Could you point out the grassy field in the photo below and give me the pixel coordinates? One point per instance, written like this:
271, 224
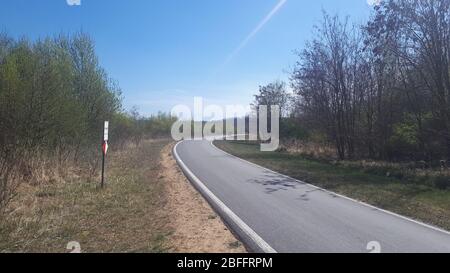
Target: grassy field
419, 201
126, 216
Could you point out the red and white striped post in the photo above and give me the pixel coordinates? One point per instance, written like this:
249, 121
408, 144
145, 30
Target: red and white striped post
104, 150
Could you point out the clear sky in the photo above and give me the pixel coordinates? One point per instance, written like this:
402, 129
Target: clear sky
165, 52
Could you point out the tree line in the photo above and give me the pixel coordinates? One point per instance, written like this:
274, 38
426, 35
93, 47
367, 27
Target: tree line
379, 90
54, 98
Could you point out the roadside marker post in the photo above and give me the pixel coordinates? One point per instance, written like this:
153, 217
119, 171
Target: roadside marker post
104, 150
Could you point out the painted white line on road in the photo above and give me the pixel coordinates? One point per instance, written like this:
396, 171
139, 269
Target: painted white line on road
249, 232
336, 194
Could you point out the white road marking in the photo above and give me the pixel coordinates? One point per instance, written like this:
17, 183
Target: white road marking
263, 245
336, 194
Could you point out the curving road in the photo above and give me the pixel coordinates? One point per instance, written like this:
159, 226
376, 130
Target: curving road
274, 213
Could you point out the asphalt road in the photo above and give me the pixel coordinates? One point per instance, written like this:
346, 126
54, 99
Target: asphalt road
272, 212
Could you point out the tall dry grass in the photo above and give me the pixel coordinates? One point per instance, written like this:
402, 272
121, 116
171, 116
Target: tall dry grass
63, 202
40, 168
413, 172
309, 148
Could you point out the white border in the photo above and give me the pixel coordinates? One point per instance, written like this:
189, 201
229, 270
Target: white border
336, 194
263, 245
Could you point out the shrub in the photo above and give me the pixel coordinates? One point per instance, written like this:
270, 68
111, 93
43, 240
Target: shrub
442, 182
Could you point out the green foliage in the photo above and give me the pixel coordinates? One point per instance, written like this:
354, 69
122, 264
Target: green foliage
53, 93
159, 125
289, 128
404, 140
405, 133
54, 98
126, 126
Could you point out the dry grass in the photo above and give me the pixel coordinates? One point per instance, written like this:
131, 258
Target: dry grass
60, 205
410, 172
147, 206
311, 149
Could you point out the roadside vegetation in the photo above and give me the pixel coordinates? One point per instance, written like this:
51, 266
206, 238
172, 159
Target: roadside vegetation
54, 98
366, 113
128, 215
373, 96
378, 90
415, 196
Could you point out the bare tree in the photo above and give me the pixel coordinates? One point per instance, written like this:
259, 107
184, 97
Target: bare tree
274, 94
326, 79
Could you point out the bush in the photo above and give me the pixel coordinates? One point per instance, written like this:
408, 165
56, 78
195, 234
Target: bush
290, 128
54, 98
442, 182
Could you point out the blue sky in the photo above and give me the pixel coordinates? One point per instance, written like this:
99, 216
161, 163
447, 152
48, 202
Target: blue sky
165, 52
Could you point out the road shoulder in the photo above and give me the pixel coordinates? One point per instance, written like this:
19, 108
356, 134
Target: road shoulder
196, 228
